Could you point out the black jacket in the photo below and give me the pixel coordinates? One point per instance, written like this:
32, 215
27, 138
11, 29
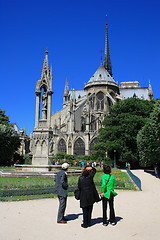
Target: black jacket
88, 192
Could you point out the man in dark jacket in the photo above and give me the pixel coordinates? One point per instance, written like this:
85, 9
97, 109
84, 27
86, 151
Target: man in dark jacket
61, 188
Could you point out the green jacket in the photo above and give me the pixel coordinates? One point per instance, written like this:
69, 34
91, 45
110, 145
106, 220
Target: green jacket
110, 185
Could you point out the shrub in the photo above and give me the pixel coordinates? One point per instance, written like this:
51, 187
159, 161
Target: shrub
70, 158
27, 159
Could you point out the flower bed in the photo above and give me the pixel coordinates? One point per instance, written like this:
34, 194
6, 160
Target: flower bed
32, 188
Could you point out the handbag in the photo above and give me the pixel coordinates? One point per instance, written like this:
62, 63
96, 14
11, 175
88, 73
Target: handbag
77, 194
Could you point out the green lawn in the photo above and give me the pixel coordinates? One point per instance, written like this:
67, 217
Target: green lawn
12, 188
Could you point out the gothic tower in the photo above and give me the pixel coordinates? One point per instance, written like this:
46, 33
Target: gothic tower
41, 141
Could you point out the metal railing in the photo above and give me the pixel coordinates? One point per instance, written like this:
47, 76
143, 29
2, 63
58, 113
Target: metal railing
37, 192
135, 179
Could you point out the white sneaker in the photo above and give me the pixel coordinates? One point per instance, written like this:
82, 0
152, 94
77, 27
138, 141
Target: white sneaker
113, 223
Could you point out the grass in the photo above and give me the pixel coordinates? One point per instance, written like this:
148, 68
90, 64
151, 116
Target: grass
17, 189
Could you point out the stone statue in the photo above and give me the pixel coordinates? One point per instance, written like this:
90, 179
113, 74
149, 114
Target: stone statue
51, 146
44, 99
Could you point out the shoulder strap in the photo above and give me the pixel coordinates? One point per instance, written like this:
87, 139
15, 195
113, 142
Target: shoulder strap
108, 179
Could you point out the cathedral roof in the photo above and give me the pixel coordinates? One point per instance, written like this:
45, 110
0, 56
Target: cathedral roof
101, 75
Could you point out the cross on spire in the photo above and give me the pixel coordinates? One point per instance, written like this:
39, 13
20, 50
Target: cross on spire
101, 51
107, 61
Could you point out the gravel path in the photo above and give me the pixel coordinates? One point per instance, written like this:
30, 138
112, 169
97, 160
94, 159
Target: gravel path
137, 214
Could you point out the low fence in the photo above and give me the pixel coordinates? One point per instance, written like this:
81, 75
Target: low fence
28, 194
135, 179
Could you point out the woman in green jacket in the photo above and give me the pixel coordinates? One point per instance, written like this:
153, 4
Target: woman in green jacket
107, 194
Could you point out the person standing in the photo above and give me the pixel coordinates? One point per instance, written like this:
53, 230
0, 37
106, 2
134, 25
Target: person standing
107, 195
129, 166
156, 172
88, 194
61, 188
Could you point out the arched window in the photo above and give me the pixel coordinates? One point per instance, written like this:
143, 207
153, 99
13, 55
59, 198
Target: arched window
62, 146
44, 150
100, 101
38, 147
79, 147
93, 142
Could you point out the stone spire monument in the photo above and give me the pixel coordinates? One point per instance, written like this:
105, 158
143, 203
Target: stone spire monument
41, 141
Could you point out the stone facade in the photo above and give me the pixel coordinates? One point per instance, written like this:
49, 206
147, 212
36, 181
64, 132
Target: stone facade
25, 141
74, 128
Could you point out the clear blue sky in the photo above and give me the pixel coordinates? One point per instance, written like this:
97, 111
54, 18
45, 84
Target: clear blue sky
74, 32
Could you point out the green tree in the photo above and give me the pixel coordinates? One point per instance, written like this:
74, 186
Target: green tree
27, 159
70, 158
9, 143
59, 155
121, 126
83, 157
148, 139
3, 118
99, 154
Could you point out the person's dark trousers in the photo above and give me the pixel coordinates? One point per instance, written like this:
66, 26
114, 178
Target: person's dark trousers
111, 206
87, 212
62, 207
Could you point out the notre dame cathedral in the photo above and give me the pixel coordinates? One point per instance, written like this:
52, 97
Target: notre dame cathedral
74, 128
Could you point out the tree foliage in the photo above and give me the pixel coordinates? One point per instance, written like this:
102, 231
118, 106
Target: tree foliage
99, 154
3, 118
27, 159
59, 155
9, 143
83, 157
69, 158
9, 140
121, 126
148, 139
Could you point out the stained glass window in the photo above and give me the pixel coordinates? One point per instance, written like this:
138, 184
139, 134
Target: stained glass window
62, 146
100, 101
93, 142
79, 147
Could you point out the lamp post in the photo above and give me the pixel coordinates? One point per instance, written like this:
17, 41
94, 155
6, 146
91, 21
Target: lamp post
114, 158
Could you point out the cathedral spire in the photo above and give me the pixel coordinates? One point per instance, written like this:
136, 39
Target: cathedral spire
107, 60
150, 92
45, 69
66, 93
66, 88
101, 51
51, 77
